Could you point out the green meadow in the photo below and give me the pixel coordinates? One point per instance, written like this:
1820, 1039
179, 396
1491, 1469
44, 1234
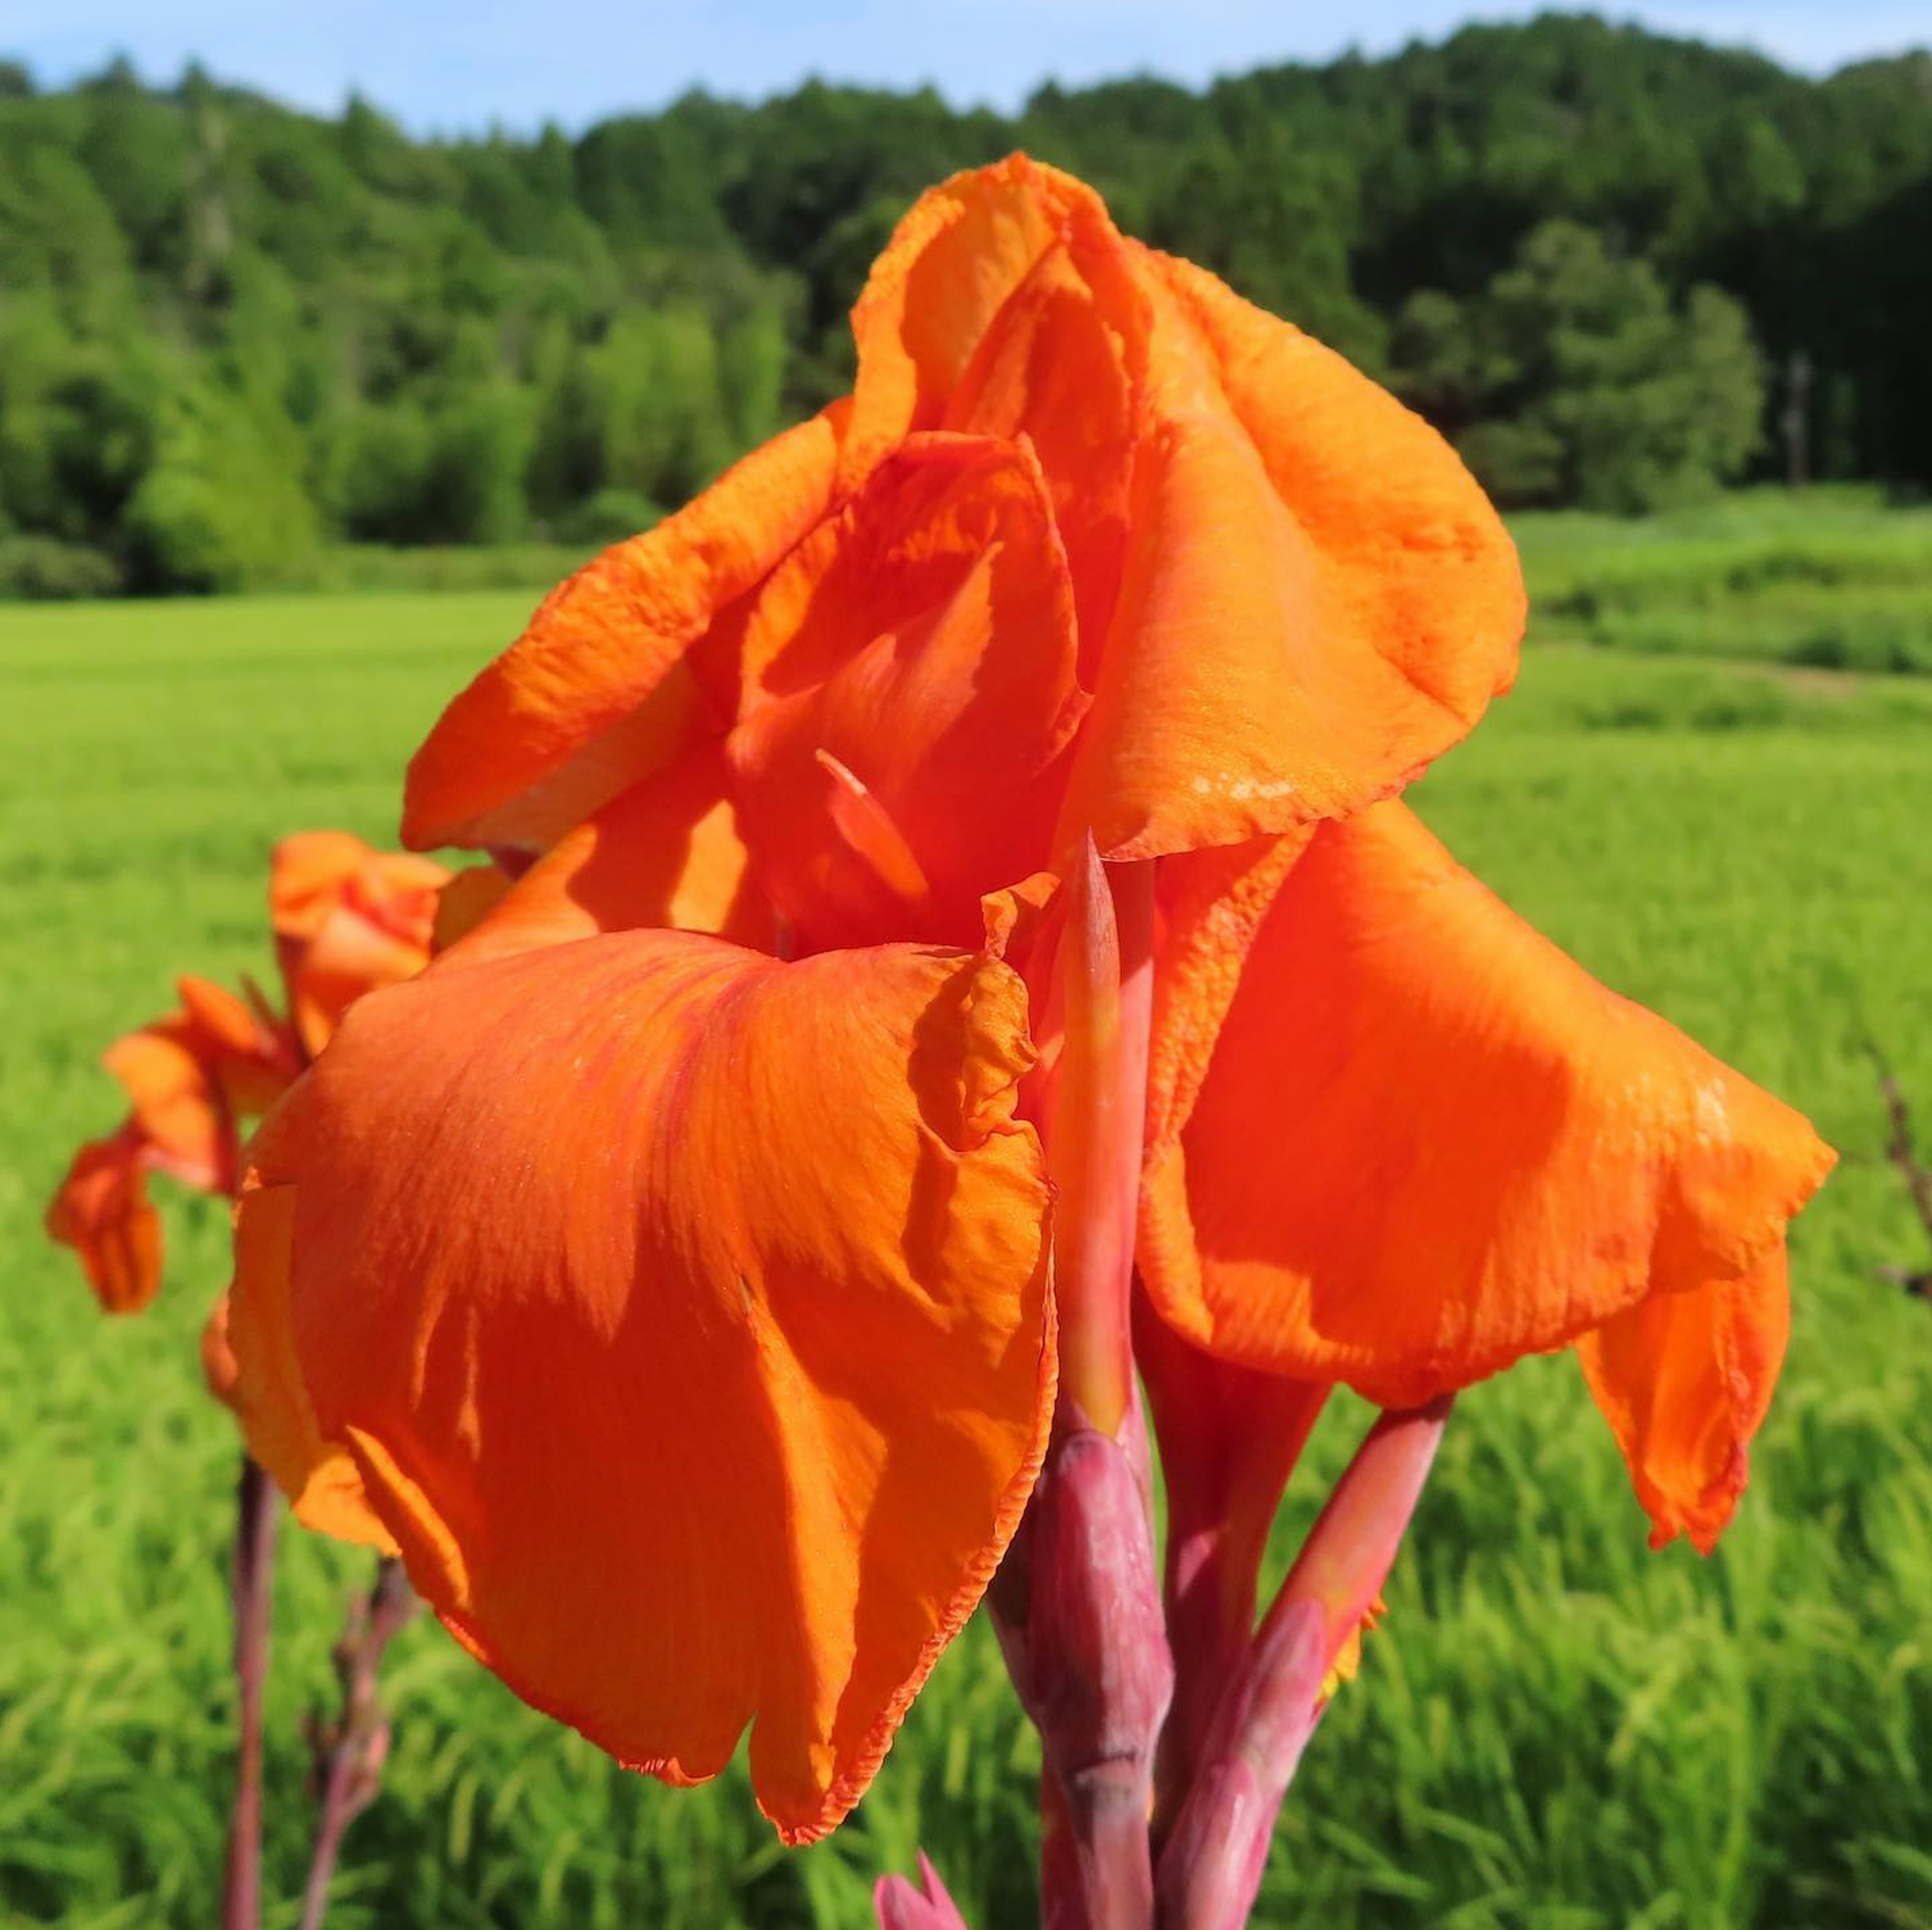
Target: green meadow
1711, 785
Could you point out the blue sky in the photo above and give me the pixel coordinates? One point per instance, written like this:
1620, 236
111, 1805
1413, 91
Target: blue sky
461, 64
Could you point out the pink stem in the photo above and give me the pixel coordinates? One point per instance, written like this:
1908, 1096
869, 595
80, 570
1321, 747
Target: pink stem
1078, 1604
1210, 1869
257, 1511
358, 1743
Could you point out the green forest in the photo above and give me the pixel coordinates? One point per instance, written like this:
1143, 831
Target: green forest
1619, 271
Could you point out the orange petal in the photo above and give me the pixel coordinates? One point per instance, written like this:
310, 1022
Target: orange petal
909, 690
348, 919
685, 1314
1318, 599
597, 692
164, 1068
466, 902
1428, 1143
666, 854
218, 1366
259, 1379
349, 956
955, 260
1684, 1380
103, 1212
1061, 366
1210, 904
307, 874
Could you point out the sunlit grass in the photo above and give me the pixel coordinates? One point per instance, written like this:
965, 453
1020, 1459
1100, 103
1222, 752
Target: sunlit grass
1557, 1728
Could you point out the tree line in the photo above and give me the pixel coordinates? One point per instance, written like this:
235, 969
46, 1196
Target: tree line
1617, 269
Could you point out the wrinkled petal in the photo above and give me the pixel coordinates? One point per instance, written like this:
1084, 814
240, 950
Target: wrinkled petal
103, 1212
1318, 601
1428, 1143
1062, 365
597, 693
909, 690
684, 1313
1684, 1380
955, 260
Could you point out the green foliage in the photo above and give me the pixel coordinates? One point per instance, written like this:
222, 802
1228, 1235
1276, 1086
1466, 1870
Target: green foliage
43, 569
1578, 381
1554, 1728
1609, 263
222, 504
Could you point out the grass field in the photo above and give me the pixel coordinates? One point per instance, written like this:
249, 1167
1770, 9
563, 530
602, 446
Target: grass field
1556, 1729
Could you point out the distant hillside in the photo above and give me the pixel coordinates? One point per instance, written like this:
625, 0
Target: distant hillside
1617, 268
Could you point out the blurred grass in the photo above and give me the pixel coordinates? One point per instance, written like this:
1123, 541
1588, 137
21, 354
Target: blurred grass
1832, 579
1556, 1729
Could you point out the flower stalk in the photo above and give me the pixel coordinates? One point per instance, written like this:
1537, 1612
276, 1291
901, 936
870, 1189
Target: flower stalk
1210, 1869
353, 1750
1082, 1626
257, 1513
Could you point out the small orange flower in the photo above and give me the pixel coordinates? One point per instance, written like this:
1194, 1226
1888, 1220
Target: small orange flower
665, 1271
346, 919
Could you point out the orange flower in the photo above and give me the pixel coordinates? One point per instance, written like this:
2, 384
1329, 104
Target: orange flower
682, 1312
345, 919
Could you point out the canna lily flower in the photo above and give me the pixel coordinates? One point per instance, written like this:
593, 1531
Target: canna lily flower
345, 919
670, 1270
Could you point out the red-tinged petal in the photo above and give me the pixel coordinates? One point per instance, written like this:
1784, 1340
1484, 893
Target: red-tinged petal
1684, 1380
910, 691
666, 854
103, 1212
685, 1314
1428, 1143
955, 260
1317, 598
597, 693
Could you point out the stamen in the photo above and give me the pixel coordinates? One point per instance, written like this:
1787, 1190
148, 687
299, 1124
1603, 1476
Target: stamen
868, 831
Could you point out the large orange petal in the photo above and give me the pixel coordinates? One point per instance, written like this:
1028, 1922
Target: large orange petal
597, 692
1317, 598
685, 1314
910, 689
1684, 1380
1428, 1143
103, 1212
